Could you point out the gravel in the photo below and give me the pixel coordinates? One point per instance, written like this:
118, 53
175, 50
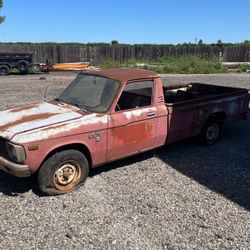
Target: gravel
181, 196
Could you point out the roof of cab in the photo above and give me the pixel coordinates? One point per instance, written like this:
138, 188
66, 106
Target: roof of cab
123, 74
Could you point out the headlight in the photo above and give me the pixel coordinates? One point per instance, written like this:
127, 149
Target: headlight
15, 152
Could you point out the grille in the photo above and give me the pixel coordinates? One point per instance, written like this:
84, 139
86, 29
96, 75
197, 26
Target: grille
3, 149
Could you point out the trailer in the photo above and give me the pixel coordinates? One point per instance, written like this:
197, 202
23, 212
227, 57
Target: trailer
20, 61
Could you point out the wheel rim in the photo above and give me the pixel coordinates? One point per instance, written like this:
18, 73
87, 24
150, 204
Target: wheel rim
3, 71
212, 133
22, 67
67, 176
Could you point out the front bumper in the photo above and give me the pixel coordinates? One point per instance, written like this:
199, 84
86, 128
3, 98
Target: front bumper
16, 169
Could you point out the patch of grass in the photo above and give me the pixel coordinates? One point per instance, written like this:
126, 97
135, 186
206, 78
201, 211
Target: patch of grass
243, 68
34, 70
130, 62
108, 64
31, 70
172, 65
189, 65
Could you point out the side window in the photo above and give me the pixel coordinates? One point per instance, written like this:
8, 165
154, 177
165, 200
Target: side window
135, 95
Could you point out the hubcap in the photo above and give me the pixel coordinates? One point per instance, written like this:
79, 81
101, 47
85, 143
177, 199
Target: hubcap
67, 176
212, 132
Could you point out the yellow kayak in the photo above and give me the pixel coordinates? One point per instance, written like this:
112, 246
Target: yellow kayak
70, 66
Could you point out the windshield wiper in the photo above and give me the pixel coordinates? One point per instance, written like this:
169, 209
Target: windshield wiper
83, 109
71, 103
59, 100
78, 106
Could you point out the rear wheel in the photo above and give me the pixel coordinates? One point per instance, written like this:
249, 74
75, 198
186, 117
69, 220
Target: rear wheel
63, 172
211, 132
4, 70
23, 67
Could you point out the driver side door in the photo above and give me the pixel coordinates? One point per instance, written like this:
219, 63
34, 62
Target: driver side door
132, 125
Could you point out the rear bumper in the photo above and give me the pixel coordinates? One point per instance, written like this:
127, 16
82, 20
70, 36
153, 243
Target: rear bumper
16, 169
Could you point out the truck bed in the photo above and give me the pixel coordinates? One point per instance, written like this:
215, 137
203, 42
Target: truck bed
191, 104
189, 92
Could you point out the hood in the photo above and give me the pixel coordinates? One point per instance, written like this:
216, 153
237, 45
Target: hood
18, 120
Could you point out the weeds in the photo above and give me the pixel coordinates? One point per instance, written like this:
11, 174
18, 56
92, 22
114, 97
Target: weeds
243, 68
172, 65
107, 64
31, 70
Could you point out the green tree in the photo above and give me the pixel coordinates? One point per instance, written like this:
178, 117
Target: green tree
2, 18
200, 42
219, 42
114, 42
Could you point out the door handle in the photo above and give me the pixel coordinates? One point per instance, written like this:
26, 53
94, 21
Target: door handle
152, 113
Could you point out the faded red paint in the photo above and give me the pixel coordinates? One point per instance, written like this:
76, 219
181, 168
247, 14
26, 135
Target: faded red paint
125, 135
118, 134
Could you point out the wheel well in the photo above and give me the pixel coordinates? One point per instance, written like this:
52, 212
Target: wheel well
77, 146
222, 116
22, 61
7, 65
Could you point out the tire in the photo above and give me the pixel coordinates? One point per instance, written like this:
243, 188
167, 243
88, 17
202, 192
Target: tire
211, 132
63, 172
23, 67
4, 70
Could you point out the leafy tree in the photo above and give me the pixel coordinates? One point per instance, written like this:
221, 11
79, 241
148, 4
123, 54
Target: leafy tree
114, 42
219, 42
200, 42
2, 18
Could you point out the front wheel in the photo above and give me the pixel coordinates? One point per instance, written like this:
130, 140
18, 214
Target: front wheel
63, 172
211, 132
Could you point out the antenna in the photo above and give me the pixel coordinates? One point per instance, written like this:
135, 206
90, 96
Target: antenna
45, 93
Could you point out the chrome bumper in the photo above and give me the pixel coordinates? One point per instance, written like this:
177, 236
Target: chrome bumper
16, 169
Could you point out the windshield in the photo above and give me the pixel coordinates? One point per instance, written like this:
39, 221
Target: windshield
89, 92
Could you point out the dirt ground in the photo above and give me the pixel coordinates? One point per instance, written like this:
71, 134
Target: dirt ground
181, 196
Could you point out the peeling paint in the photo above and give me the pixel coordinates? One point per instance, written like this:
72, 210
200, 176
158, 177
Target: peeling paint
32, 117
26, 119
137, 112
62, 128
19, 109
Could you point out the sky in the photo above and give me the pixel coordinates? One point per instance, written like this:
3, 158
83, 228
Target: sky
130, 21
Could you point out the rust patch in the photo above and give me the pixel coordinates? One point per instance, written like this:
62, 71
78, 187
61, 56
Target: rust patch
33, 147
25, 119
59, 126
124, 135
18, 109
123, 75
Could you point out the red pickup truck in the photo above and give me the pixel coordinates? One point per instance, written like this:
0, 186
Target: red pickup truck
107, 115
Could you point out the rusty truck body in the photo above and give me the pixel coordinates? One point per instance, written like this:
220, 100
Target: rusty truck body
107, 115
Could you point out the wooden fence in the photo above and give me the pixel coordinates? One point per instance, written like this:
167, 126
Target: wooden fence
59, 53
